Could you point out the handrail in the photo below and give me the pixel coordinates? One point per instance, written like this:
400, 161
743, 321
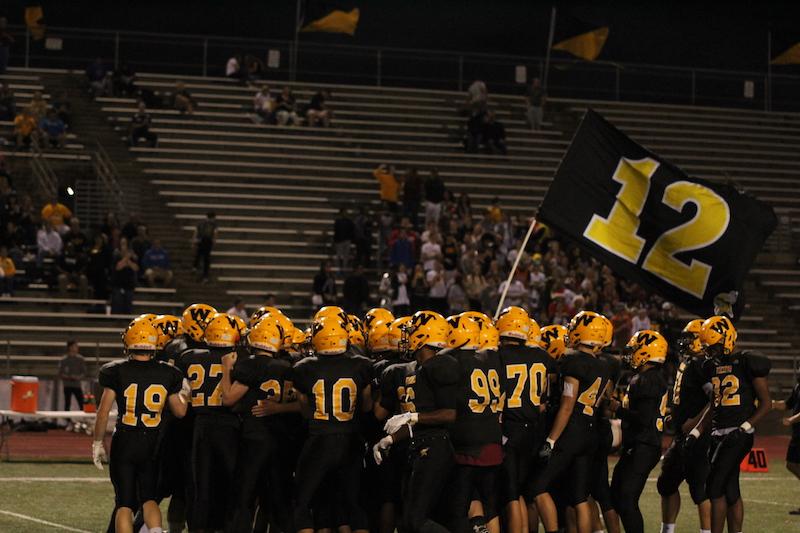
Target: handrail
43, 173
108, 176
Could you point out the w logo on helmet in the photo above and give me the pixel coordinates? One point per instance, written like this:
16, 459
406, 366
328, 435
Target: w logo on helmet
200, 315
549, 336
167, 327
584, 320
721, 326
647, 339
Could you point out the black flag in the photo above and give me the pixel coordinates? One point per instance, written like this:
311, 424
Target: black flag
686, 238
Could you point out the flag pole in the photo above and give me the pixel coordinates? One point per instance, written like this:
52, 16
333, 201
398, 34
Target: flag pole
514, 267
768, 91
293, 58
549, 48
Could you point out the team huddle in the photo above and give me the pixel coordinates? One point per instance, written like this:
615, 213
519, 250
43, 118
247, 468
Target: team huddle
422, 424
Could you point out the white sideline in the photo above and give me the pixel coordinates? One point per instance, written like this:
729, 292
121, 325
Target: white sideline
45, 522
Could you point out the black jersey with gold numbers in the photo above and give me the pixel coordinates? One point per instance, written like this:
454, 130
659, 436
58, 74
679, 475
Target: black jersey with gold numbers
433, 385
333, 385
688, 397
266, 378
393, 388
593, 377
141, 388
644, 408
730, 379
203, 368
524, 377
176, 347
479, 402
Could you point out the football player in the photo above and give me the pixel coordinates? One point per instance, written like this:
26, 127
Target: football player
256, 378
680, 461
430, 408
215, 436
476, 434
793, 451
572, 440
737, 381
333, 388
642, 412
526, 370
141, 387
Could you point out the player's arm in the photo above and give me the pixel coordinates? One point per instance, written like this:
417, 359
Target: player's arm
380, 412
178, 404
568, 398
437, 417
366, 399
232, 391
764, 402
101, 419
790, 421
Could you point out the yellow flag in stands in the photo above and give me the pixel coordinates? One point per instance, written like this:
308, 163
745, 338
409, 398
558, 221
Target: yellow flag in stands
586, 45
34, 20
790, 56
337, 21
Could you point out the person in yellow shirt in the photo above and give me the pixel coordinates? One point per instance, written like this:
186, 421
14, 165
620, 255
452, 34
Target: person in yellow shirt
7, 271
56, 212
493, 212
390, 186
24, 128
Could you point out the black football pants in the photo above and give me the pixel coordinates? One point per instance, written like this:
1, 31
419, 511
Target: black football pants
682, 464
214, 449
470, 482
256, 448
520, 460
429, 462
628, 481
727, 453
133, 465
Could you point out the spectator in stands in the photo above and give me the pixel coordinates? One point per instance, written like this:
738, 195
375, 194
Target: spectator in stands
437, 289
71, 371
38, 106
254, 68
53, 130
419, 288
401, 250
401, 294
464, 207
24, 128
343, 235
97, 74
57, 214
640, 320
412, 195
270, 300
494, 213
477, 97
71, 267
7, 271
474, 285
140, 128
474, 137
390, 187
205, 235
98, 268
494, 134
111, 229
457, 301
318, 112
323, 291
123, 278
63, 108
355, 291
431, 252
233, 68
140, 242
131, 228
8, 105
125, 80
535, 100
156, 265
264, 105
49, 243
623, 327
434, 195
362, 236
6, 40
182, 99
286, 109
238, 309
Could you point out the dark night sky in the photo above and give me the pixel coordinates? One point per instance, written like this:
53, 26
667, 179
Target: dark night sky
722, 35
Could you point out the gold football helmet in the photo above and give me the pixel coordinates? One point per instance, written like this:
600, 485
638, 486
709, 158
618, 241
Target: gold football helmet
266, 335
396, 334
140, 336
378, 337
554, 340
689, 340
329, 336
168, 327
331, 310
195, 318
590, 329
222, 331
427, 328
646, 346
719, 330
534, 335
514, 323
377, 313
146, 316
464, 333
489, 338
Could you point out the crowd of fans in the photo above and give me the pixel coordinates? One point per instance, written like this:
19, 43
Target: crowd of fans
40, 120
282, 108
50, 246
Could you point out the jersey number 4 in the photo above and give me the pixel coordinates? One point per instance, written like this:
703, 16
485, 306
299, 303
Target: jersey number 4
153, 400
590, 398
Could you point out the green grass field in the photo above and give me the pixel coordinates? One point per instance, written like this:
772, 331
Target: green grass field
45, 497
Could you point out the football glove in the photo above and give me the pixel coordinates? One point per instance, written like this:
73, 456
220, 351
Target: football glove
99, 454
691, 439
381, 448
547, 449
394, 424
186, 390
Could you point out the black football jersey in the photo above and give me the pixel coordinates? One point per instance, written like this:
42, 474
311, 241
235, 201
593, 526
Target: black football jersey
203, 368
793, 403
379, 366
593, 377
176, 347
266, 378
730, 380
644, 408
524, 377
333, 385
688, 396
479, 402
393, 388
433, 385
141, 389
